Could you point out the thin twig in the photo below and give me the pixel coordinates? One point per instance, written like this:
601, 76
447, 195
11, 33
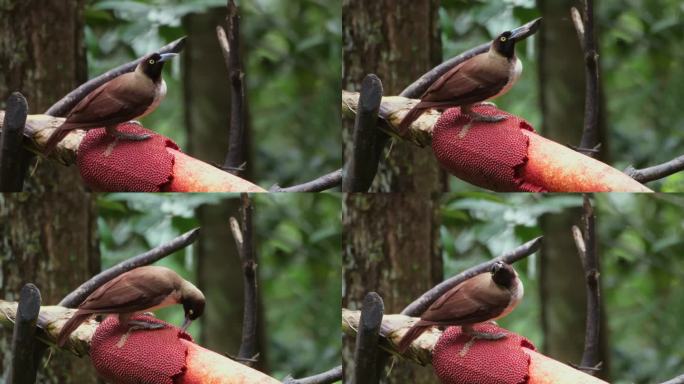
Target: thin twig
586, 248
327, 377
23, 367
75, 298
418, 306
366, 351
657, 171
63, 106
419, 86
327, 181
361, 168
236, 144
13, 156
244, 240
584, 25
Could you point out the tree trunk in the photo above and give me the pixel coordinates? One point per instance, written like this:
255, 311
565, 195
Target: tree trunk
49, 240
561, 85
398, 41
390, 247
42, 55
207, 103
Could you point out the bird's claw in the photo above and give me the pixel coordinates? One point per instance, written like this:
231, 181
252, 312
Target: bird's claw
136, 325
487, 336
131, 136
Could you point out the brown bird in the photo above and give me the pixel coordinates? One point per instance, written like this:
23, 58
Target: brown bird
479, 78
487, 296
139, 290
126, 97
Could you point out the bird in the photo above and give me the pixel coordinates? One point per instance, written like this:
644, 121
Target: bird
484, 297
142, 289
126, 97
483, 76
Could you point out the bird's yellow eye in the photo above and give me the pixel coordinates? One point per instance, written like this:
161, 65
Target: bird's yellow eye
191, 311
503, 39
151, 61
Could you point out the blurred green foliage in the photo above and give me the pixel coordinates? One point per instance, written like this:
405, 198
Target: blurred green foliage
640, 246
292, 57
298, 242
641, 47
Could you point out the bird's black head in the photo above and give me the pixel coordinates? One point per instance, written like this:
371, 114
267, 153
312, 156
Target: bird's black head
193, 303
193, 307
503, 274
153, 64
504, 44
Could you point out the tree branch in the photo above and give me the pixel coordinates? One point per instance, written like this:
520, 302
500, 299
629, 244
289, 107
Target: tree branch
63, 106
418, 87
327, 181
366, 352
656, 172
23, 368
585, 32
75, 298
244, 240
13, 157
235, 157
585, 240
361, 167
418, 306
327, 377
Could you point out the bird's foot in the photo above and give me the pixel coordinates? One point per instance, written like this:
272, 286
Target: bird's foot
476, 117
487, 336
136, 122
138, 325
131, 136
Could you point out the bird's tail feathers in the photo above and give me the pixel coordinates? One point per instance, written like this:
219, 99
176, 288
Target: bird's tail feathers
413, 333
70, 326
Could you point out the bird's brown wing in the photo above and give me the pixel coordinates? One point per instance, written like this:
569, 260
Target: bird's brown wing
136, 290
473, 301
113, 103
474, 80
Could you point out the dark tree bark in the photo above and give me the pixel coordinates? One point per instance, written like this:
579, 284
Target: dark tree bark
391, 246
207, 101
42, 55
561, 80
49, 240
398, 41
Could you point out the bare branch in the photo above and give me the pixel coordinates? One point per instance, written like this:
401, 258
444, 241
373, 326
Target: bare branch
75, 298
23, 368
63, 106
586, 247
361, 168
244, 240
418, 306
327, 377
327, 181
13, 157
657, 171
236, 144
585, 31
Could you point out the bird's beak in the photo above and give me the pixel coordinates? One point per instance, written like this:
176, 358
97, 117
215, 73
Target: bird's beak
167, 56
526, 30
186, 324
